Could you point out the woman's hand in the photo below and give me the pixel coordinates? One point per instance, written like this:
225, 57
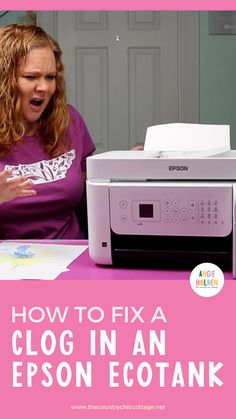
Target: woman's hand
11, 188
138, 147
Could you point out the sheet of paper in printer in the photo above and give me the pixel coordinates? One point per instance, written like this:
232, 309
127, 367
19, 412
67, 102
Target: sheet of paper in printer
36, 260
187, 140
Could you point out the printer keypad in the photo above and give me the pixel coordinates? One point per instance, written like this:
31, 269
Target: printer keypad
209, 212
176, 211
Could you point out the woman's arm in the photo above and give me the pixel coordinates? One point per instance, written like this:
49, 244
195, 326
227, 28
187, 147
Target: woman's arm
11, 188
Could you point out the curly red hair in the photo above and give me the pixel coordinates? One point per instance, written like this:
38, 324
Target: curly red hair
16, 41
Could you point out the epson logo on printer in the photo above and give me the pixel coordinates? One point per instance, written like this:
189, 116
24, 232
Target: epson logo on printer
178, 168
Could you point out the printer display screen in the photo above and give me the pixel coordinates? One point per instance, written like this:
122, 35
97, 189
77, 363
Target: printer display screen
146, 210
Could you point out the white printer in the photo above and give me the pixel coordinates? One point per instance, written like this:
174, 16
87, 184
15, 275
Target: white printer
172, 205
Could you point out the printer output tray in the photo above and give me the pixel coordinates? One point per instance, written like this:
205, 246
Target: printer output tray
168, 252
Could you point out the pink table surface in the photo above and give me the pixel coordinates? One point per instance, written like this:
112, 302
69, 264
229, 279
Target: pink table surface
83, 268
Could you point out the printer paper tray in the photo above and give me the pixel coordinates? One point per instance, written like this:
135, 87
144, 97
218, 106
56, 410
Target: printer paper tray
173, 252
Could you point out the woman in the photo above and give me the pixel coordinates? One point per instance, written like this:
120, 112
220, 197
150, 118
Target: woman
43, 141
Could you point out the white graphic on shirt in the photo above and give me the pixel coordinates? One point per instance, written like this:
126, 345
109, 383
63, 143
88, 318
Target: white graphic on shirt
46, 170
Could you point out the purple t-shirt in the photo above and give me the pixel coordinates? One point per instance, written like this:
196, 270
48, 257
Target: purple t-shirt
59, 184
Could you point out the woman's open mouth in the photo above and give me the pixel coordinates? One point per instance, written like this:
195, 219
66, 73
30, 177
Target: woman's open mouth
36, 102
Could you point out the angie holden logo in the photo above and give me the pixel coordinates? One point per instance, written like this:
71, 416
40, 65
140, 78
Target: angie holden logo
207, 279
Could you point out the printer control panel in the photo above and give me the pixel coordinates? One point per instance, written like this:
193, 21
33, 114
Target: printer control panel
164, 208
193, 211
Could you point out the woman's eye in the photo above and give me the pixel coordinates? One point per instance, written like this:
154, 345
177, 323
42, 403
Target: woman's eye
50, 77
29, 77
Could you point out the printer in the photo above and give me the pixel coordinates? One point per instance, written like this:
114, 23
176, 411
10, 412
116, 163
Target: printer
172, 205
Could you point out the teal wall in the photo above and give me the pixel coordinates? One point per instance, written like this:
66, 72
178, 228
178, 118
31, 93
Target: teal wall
217, 78
12, 17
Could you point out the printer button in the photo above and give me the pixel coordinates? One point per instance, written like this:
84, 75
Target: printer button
192, 218
192, 205
123, 204
124, 218
175, 203
167, 202
184, 211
